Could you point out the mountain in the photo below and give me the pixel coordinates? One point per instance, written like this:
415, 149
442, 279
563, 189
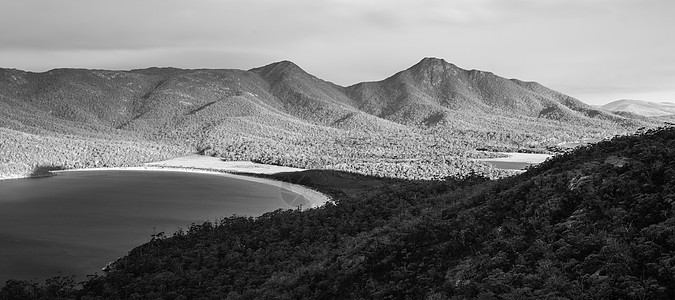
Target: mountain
310, 98
434, 87
401, 126
595, 223
640, 107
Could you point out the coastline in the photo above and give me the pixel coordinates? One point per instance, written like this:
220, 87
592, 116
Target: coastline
530, 158
214, 166
514, 161
27, 177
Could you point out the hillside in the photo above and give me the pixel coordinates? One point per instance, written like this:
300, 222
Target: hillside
434, 86
640, 107
506, 112
597, 222
421, 123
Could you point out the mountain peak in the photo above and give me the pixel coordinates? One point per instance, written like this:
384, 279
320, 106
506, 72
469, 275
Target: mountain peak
433, 61
284, 65
430, 59
428, 63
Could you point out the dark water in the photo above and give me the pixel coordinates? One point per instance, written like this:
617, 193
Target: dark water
77, 222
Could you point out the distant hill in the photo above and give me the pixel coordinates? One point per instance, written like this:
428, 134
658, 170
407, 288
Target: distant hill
402, 126
640, 107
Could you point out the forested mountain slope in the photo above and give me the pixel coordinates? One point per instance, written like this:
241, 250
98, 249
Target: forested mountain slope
422, 123
450, 101
434, 86
595, 223
312, 99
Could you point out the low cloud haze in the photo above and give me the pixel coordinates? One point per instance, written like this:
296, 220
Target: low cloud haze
597, 51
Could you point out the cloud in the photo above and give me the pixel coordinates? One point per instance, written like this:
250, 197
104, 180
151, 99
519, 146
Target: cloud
86, 24
125, 24
566, 44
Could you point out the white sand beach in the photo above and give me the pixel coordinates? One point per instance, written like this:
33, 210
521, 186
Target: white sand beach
213, 163
530, 158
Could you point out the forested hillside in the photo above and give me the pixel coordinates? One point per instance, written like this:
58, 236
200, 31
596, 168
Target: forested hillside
595, 223
434, 85
422, 123
24, 152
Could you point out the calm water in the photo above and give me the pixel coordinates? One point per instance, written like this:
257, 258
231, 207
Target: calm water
77, 222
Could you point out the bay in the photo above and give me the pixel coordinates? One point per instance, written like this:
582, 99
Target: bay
76, 222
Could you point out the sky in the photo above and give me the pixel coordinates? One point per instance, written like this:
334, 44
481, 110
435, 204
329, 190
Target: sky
595, 50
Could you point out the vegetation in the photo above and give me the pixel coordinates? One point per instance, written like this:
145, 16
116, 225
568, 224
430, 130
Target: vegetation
595, 223
26, 154
415, 215
423, 123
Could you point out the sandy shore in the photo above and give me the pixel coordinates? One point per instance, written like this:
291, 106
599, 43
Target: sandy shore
515, 162
213, 163
217, 167
530, 158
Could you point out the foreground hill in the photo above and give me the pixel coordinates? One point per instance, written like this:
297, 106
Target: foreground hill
640, 107
421, 123
595, 223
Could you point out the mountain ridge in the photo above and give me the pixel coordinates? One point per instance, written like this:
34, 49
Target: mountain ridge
460, 93
279, 113
433, 86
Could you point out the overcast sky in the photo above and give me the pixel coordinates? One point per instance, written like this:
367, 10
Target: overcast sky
594, 50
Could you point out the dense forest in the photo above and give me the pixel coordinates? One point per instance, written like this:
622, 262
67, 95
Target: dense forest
23, 152
594, 223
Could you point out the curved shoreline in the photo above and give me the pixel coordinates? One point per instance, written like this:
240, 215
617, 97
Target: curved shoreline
205, 165
313, 197
519, 159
